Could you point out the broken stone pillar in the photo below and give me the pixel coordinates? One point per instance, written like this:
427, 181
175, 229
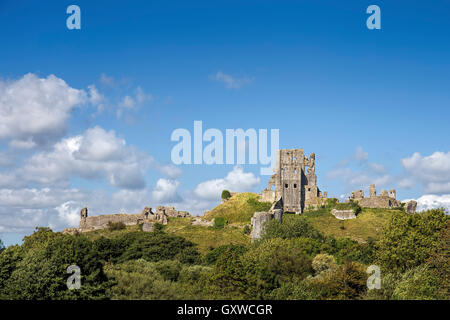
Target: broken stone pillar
411, 206
148, 226
278, 214
392, 194
373, 191
84, 213
258, 220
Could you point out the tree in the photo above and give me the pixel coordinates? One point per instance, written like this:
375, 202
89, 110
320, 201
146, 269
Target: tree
226, 195
41, 273
409, 240
2, 246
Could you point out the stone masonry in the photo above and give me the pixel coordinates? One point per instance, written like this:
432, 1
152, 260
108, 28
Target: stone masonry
295, 185
146, 217
384, 200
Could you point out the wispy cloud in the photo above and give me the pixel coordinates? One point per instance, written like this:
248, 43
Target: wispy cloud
230, 81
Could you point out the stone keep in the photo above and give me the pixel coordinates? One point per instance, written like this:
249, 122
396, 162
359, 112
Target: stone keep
294, 181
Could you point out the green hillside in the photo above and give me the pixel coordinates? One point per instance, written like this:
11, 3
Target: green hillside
239, 208
368, 224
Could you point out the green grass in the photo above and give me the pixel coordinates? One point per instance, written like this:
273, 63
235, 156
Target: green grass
110, 234
206, 238
368, 224
239, 208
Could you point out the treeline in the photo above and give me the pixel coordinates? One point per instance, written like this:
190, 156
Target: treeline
293, 260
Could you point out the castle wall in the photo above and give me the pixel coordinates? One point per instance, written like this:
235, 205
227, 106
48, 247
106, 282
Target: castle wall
101, 222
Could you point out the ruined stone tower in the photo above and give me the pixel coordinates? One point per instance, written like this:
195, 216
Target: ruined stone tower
292, 183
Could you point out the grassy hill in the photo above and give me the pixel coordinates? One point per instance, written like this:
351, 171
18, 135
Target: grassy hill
239, 208
206, 238
368, 223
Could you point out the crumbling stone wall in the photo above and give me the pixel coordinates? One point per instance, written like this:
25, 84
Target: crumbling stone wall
260, 218
410, 206
384, 201
147, 216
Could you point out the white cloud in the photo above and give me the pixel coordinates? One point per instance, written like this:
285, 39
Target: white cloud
360, 154
236, 181
432, 171
169, 170
166, 191
133, 102
35, 110
431, 201
127, 102
69, 213
95, 154
231, 82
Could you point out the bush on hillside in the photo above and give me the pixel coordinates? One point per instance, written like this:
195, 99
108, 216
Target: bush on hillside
226, 195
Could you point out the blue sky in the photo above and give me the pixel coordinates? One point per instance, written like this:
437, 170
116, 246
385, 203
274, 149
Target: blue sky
362, 100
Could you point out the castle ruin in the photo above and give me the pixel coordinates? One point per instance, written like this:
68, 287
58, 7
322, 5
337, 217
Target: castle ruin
147, 217
384, 200
296, 186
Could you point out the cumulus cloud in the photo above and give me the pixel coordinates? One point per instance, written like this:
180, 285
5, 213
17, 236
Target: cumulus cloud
432, 172
169, 170
94, 154
432, 201
166, 191
236, 181
35, 110
231, 82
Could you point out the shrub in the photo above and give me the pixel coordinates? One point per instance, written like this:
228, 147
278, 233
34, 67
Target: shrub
156, 246
41, 272
169, 269
293, 226
247, 229
220, 222
226, 195
409, 240
212, 256
112, 226
418, 283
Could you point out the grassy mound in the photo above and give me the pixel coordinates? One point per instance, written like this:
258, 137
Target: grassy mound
239, 208
368, 223
206, 238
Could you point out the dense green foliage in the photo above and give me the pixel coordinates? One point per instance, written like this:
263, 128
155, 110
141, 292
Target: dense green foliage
226, 195
293, 260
